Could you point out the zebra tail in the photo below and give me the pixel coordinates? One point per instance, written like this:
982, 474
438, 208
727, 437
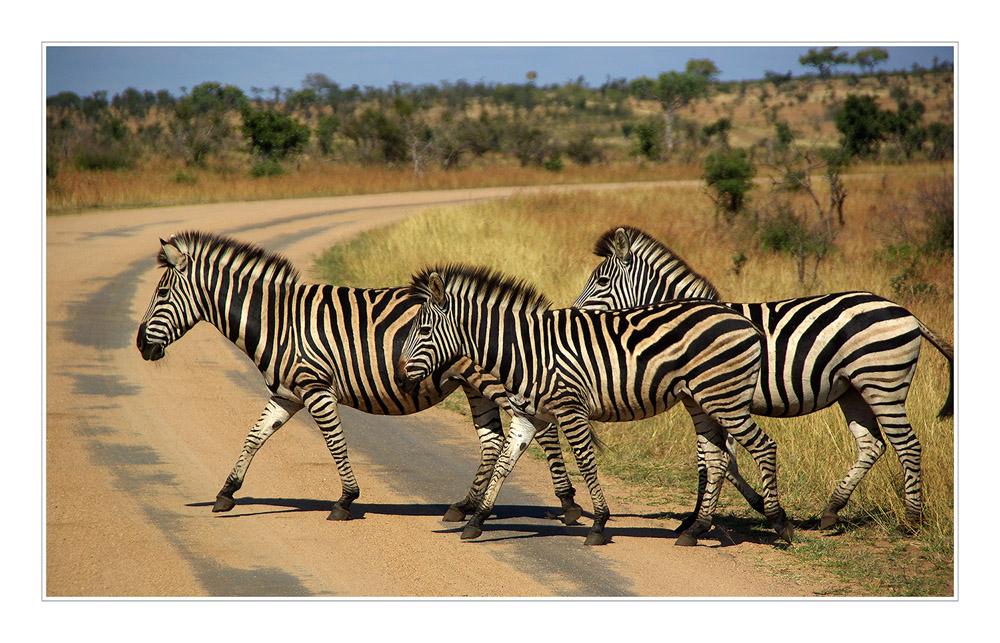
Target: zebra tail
949, 404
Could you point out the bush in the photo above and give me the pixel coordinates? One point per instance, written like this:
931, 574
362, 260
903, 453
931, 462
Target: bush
860, 122
273, 135
325, 129
583, 149
649, 139
730, 173
110, 156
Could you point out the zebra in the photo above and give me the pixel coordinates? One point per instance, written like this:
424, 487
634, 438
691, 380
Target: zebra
569, 367
853, 348
318, 346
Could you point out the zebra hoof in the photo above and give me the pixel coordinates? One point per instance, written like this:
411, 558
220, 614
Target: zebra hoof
339, 513
785, 531
828, 520
685, 540
572, 514
454, 514
471, 532
595, 538
223, 503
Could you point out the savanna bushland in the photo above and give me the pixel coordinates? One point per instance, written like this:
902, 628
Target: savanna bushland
786, 185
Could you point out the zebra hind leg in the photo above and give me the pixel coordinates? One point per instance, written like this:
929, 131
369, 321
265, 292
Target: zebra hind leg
868, 438
486, 418
322, 406
754, 499
275, 415
547, 437
518, 438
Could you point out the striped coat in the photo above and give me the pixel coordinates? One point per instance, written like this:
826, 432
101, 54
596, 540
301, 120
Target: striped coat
316, 346
573, 367
855, 349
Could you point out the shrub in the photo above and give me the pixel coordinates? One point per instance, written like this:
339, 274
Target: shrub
730, 173
273, 135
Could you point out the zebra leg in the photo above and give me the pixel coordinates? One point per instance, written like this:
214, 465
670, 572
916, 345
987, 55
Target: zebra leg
275, 415
518, 438
322, 406
765, 454
755, 500
486, 418
579, 433
900, 435
863, 425
714, 458
547, 437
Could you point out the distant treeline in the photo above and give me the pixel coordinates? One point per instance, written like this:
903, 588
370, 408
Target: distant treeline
423, 126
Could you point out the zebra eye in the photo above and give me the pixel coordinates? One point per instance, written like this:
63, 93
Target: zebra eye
424, 330
603, 281
162, 293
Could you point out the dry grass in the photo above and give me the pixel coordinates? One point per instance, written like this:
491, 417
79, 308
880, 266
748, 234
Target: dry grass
547, 238
167, 183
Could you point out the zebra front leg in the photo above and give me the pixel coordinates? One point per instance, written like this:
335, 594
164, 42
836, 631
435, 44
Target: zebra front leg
519, 436
322, 406
868, 438
275, 415
485, 393
765, 454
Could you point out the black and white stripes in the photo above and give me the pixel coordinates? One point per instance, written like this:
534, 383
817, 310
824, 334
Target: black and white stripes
571, 367
317, 346
855, 348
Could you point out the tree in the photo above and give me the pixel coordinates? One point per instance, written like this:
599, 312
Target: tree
824, 60
860, 124
200, 124
674, 91
730, 173
273, 136
867, 59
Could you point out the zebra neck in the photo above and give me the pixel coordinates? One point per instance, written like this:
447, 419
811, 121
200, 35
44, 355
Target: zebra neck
250, 312
507, 342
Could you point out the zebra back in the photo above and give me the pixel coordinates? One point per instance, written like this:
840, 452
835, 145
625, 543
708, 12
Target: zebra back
623, 364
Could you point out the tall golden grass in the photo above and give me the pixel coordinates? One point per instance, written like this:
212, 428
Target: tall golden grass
547, 239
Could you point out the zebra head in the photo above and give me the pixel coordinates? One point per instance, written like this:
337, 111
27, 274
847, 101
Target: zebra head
638, 270
433, 336
610, 286
173, 311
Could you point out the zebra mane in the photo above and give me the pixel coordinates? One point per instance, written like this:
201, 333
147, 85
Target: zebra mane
482, 283
195, 243
647, 246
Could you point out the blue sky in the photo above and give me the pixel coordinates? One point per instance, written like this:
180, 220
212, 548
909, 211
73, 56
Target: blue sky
86, 69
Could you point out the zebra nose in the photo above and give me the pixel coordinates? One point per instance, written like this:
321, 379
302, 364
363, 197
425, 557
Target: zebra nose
140, 338
400, 372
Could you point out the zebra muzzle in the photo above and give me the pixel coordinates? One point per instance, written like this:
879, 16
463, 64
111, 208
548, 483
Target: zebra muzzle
150, 351
405, 378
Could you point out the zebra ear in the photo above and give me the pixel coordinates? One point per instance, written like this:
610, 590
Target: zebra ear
174, 257
436, 285
622, 247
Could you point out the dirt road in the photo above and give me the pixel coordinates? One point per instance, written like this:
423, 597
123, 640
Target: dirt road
136, 451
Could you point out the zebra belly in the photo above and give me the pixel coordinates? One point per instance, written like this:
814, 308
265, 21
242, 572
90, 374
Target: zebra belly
772, 399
